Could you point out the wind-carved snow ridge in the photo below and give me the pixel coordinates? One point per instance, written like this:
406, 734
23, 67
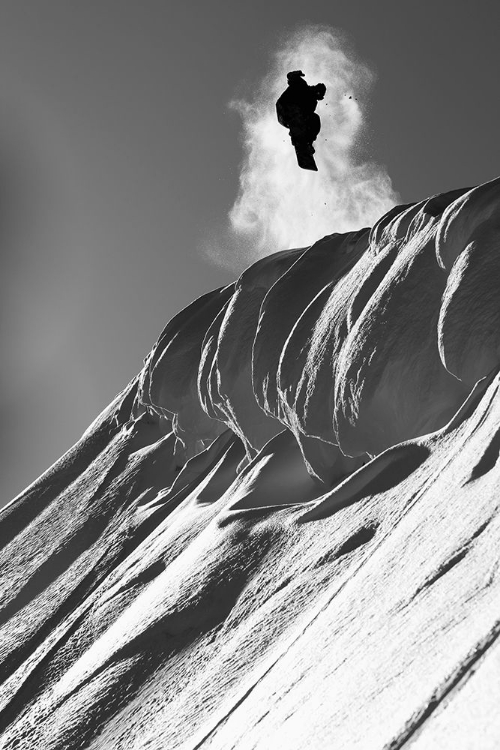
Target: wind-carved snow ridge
279, 205
285, 531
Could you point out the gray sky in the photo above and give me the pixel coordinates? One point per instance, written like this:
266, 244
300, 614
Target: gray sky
119, 156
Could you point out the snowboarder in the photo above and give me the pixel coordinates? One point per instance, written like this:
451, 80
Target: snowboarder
295, 110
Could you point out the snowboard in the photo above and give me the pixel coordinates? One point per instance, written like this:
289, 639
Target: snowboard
305, 159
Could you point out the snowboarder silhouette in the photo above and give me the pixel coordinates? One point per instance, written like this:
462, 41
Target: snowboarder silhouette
295, 110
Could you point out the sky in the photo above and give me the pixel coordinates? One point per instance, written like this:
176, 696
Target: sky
140, 166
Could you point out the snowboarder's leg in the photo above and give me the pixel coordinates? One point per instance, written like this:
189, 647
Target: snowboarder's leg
301, 139
315, 126
304, 133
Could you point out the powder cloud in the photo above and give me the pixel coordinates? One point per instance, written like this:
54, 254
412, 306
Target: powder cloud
280, 205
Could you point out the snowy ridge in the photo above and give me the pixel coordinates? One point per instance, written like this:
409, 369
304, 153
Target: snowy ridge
285, 531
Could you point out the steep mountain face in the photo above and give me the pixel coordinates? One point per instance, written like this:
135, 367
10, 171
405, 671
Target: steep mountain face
285, 532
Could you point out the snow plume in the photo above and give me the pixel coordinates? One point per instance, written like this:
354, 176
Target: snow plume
280, 205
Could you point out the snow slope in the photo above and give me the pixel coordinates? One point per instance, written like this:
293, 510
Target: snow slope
285, 532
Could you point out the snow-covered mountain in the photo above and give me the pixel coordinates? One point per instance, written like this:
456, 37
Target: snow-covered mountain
284, 533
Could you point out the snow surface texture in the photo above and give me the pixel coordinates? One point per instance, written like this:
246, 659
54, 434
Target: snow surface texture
285, 532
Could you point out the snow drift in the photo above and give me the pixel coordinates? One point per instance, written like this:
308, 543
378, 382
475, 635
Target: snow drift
284, 532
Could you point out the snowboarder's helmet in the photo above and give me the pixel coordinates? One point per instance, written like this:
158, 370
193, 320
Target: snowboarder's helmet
294, 75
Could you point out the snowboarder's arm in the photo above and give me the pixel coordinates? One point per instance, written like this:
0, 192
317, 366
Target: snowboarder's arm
282, 114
